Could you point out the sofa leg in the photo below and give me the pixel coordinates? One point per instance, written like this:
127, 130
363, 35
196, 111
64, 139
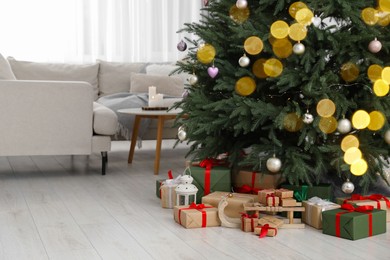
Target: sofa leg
104, 162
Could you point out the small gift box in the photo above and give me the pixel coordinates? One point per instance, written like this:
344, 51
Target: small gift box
268, 226
248, 222
288, 202
378, 201
354, 222
196, 216
209, 177
313, 211
168, 193
272, 200
235, 202
159, 183
284, 193
263, 195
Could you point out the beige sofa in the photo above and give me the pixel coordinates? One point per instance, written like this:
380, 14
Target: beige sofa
52, 108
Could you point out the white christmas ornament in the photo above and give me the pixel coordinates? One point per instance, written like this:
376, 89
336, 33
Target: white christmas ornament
348, 187
316, 21
299, 48
241, 4
181, 133
344, 126
375, 46
274, 164
387, 136
308, 118
244, 61
193, 79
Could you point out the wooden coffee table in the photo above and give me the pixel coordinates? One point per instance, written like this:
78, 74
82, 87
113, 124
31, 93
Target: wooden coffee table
161, 116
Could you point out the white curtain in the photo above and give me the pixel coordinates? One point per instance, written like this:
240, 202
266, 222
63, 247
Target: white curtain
86, 30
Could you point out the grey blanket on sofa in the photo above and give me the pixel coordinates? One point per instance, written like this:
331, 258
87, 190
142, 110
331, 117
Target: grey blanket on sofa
127, 100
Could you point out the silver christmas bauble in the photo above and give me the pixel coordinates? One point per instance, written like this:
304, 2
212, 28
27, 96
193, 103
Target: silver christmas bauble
316, 21
241, 4
344, 126
193, 79
298, 48
387, 136
375, 46
308, 118
274, 164
348, 187
244, 61
182, 135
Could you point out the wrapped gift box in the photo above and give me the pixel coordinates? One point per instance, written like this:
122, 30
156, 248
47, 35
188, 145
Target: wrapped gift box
269, 225
284, 193
196, 216
159, 183
235, 202
272, 221
347, 222
313, 211
247, 181
208, 180
305, 192
376, 200
288, 202
248, 222
272, 200
263, 195
168, 195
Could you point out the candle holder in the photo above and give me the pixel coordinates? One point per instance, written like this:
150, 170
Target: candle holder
185, 191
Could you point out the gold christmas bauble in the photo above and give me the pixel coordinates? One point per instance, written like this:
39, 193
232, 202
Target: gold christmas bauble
206, 53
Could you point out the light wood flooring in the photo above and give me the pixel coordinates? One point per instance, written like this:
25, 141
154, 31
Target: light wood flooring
60, 207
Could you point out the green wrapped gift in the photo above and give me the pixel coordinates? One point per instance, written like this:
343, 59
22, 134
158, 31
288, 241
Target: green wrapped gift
210, 179
354, 222
305, 192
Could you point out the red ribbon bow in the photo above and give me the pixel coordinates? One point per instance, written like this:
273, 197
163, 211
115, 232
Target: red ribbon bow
374, 197
249, 189
252, 217
264, 230
350, 208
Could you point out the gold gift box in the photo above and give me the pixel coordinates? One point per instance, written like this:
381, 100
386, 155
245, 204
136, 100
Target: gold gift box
288, 202
263, 195
168, 196
248, 223
284, 193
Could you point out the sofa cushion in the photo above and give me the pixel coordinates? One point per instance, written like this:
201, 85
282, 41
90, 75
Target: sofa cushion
5, 69
167, 85
114, 76
166, 70
105, 121
28, 70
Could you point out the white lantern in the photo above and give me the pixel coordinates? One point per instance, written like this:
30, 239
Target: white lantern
185, 191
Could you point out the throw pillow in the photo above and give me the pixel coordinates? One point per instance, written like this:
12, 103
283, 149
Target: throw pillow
5, 69
28, 70
166, 70
170, 86
114, 76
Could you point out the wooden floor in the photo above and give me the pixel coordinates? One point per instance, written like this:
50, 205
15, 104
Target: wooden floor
60, 207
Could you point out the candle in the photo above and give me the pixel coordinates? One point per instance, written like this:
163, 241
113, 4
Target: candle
152, 91
152, 101
159, 100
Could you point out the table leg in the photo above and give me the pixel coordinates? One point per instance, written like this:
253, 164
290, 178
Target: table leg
134, 136
160, 126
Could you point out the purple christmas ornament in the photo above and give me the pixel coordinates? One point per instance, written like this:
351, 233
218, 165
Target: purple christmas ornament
212, 71
182, 46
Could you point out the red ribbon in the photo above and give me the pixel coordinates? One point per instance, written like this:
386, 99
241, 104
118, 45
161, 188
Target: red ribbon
208, 164
350, 208
252, 217
273, 199
170, 174
249, 189
199, 207
374, 197
264, 230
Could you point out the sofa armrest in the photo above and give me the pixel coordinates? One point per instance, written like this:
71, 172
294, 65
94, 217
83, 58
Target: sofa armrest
45, 117
105, 121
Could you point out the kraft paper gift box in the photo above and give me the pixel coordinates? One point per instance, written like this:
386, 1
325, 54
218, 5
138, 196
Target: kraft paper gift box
168, 195
263, 195
288, 202
248, 222
313, 211
210, 179
196, 216
269, 225
159, 183
354, 222
305, 192
246, 181
235, 202
378, 201
272, 200
284, 193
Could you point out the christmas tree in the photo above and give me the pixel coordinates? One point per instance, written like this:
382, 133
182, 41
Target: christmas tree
299, 88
